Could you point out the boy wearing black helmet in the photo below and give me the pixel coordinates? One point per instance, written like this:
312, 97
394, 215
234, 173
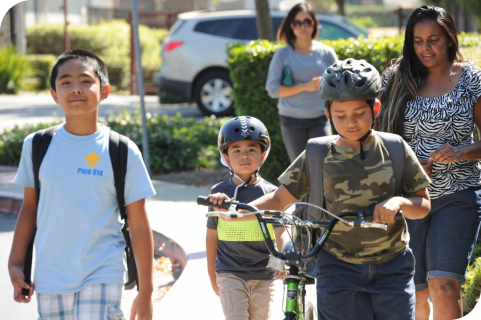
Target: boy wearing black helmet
361, 273
236, 252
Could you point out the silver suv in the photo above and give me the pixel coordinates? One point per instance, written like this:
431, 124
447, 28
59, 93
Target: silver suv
194, 58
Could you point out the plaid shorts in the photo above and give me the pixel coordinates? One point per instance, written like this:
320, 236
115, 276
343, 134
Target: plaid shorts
93, 302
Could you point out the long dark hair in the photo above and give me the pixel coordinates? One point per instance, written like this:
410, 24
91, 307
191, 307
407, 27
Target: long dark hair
408, 74
285, 30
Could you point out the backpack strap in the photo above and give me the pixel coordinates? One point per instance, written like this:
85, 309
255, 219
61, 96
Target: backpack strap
40, 143
316, 151
118, 150
397, 152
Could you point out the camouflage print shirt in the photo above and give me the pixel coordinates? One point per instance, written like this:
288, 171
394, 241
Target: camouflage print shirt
352, 184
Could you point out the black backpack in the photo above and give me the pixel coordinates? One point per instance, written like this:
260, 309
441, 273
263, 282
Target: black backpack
118, 149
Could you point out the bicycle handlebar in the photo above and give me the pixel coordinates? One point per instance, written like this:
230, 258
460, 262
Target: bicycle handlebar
232, 205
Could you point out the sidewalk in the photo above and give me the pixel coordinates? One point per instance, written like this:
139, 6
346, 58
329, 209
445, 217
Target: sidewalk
173, 212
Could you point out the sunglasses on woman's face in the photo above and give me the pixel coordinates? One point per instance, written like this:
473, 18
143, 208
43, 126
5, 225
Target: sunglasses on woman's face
296, 24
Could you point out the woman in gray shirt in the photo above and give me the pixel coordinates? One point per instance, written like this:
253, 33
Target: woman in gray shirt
301, 109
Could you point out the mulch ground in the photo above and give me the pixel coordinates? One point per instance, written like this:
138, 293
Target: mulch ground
203, 178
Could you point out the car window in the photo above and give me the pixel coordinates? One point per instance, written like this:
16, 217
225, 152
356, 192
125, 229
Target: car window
330, 31
235, 28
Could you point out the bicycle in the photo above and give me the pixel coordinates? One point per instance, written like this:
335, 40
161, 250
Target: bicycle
295, 305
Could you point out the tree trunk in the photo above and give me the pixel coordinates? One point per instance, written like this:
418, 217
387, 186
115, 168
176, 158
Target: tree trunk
265, 30
340, 7
18, 28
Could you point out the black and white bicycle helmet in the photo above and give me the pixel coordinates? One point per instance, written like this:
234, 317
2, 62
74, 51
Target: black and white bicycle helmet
243, 128
349, 80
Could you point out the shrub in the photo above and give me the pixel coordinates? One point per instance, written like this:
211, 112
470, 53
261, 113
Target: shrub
109, 40
42, 64
16, 72
176, 143
472, 286
248, 65
378, 52
11, 141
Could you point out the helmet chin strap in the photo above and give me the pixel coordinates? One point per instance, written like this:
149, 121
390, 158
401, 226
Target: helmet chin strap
244, 183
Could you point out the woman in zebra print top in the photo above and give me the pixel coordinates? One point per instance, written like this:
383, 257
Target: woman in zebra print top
431, 98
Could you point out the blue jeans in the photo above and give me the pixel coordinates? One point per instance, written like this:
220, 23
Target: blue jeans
347, 291
443, 241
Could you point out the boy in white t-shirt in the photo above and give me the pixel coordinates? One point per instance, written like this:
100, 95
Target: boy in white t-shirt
79, 267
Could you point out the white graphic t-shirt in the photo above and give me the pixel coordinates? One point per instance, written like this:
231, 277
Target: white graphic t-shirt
79, 239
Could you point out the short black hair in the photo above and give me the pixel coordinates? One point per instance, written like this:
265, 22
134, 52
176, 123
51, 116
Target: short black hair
83, 55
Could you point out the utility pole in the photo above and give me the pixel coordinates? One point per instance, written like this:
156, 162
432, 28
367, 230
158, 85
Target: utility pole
66, 40
140, 81
18, 33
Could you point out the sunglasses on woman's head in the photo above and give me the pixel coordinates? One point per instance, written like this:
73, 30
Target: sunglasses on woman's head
296, 24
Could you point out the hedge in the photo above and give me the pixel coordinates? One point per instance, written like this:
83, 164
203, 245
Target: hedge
42, 64
176, 143
109, 40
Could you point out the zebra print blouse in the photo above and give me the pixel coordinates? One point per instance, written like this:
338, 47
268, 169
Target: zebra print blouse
432, 122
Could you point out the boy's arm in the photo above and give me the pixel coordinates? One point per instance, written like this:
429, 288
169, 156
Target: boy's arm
143, 248
276, 200
414, 207
24, 232
281, 239
211, 239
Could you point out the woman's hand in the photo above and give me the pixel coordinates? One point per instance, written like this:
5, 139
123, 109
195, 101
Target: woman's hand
446, 154
313, 85
427, 166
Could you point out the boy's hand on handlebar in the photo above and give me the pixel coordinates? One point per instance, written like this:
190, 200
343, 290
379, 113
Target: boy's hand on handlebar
218, 198
385, 211
279, 274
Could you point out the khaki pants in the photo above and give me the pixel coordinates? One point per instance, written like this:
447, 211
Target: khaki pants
245, 299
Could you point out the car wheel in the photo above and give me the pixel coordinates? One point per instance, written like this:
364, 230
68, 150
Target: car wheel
213, 94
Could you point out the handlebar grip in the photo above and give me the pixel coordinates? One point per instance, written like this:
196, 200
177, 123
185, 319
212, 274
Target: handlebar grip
370, 215
204, 201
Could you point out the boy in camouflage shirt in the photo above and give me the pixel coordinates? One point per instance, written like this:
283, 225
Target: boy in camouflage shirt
361, 273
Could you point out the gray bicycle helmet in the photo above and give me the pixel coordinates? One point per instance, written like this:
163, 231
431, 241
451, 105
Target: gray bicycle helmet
350, 79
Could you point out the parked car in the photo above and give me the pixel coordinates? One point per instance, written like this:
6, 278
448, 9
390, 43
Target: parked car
194, 58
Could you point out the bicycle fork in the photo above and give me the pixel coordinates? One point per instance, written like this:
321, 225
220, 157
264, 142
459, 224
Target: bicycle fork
295, 296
